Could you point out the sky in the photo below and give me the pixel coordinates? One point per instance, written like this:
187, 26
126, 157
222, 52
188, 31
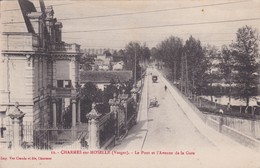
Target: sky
113, 24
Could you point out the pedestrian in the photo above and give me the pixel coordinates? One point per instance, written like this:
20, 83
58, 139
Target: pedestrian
165, 88
221, 111
228, 107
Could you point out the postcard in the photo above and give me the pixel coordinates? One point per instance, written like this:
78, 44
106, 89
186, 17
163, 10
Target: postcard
130, 83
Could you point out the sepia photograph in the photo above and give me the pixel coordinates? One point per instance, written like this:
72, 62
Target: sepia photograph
130, 83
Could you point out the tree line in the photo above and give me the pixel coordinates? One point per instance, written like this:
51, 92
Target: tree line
196, 68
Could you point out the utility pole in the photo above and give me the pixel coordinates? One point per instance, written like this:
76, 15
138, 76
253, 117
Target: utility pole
182, 73
135, 69
186, 76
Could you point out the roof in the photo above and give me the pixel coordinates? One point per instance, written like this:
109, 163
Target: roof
105, 76
26, 8
15, 20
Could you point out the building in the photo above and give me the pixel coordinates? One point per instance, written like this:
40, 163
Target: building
38, 70
118, 66
103, 62
103, 78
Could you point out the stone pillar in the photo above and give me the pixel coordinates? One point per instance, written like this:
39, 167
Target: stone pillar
78, 116
221, 122
17, 121
29, 77
123, 98
134, 93
253, 128
54, 67
54, 114
114, 104
73, 72
93, 130
74, 113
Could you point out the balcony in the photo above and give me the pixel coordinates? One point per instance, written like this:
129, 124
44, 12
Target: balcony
19, 42
73, 48
67, 92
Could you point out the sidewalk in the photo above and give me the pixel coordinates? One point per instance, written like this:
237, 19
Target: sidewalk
137, 134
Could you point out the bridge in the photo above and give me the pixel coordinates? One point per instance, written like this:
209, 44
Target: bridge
174, 126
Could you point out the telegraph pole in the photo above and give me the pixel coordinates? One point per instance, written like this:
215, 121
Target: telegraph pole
187, 78
182, 74
135, 69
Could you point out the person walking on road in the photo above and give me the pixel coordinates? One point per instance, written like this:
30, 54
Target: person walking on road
165, 88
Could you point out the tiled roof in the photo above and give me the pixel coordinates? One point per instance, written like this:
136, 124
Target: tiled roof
105, 76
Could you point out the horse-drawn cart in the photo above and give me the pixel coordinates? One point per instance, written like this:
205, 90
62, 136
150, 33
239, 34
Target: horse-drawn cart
154, 78
153, 102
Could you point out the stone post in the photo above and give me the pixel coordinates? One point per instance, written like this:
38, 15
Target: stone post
17, 121
78, 113
93, 128
252, 124
54, 114
221, 122
114, 104
74, 113
134, 93
123, 97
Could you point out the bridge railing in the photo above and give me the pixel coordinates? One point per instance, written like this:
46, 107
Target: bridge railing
246, 132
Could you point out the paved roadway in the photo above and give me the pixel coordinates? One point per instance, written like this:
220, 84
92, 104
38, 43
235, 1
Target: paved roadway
169, 128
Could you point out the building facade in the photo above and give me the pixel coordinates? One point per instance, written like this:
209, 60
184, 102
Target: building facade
38, 70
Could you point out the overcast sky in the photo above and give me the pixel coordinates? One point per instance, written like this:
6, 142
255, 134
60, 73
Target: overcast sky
159, 19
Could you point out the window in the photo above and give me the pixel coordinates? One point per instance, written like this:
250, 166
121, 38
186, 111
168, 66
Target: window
2, 128
64, 83
67, 83
60, 83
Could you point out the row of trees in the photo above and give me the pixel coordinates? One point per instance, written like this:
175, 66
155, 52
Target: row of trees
195, 67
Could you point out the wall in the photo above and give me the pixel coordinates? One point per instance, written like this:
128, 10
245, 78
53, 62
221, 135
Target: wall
248, 127
17, 70
63, 69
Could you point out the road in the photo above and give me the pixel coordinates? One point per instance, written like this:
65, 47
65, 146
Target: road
169, 125
171, 128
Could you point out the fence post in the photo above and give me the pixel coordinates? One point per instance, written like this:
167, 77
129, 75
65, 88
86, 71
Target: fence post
93, 128
221, 122
74, 114
54, 114
114, 105
123, 97
253, 128
134, 93
17, 121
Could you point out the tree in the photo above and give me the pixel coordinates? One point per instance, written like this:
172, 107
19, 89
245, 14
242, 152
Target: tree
107, 53
211, 69
145, 54
170, 51
245, 52
135, 55
227, 68
90, 93
196, 65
